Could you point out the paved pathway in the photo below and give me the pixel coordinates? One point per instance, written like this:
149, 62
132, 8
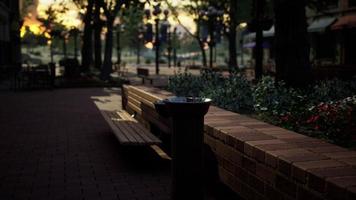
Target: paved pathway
56, 145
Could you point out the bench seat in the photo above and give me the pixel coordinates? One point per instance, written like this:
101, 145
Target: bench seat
128, 131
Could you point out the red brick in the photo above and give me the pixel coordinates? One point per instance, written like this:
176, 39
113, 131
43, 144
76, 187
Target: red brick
288, 135
241, 174
284, 167
249, 164
252, 136
271, 160
210, 141
343, 181
334, 172
286, 186
318, 164
227, 165
227, 178
316, 179
337, 187
326, 149
266, 173
256, 183
338, 155
273, 194
300, 140
312, 144
336, 191
273, 147
234, 143
252, 150
306, 194
349, 161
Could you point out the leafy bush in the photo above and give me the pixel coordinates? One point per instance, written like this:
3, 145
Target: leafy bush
278, 104
316, 111
232, 93
335, 121
332, 90
186, 84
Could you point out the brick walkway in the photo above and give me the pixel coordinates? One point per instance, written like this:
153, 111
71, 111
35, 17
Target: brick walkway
56, 145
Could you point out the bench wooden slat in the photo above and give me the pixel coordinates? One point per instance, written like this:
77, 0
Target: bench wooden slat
121, 137
145, 95
128, 130
132, 125
140, 99
134, 107
139, 128
125, 130
134, 101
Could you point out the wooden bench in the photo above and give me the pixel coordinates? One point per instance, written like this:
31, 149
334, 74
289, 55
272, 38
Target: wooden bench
144, 74
137, 101
127, 130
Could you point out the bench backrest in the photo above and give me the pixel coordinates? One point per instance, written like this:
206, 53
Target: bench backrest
142, 72
141, 103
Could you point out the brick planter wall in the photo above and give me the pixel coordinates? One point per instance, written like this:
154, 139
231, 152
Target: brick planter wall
258, 160
261, 161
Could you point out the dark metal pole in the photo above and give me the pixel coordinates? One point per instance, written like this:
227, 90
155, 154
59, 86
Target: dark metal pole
175, 47
169, 48
75, 45
51, 49
65, 47
118, 44
212, 41
157, 44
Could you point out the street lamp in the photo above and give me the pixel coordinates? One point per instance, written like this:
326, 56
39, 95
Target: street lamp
213, 15
157, 13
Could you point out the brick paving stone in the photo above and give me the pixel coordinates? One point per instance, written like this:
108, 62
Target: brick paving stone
56, 145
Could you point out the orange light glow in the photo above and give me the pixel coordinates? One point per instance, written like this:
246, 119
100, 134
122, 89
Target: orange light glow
34, 26
149, 45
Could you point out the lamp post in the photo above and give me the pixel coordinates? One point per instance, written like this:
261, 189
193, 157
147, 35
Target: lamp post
119, 28
213, 15
174, 46
157, 13
169, 48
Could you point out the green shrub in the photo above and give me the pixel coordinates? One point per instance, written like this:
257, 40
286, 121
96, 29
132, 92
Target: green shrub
232, 93
334, 121
278, 104
317, 111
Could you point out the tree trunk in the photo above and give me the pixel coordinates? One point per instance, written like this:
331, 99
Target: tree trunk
232, 36
15, 40
98, 26
107, 66
87, 48
258, 50
291, 41
118, 43
64, 47
203, 53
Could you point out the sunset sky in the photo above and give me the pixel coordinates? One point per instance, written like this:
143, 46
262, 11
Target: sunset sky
71, 18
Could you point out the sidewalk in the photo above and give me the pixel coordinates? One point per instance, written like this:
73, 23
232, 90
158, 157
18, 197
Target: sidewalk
56, 145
